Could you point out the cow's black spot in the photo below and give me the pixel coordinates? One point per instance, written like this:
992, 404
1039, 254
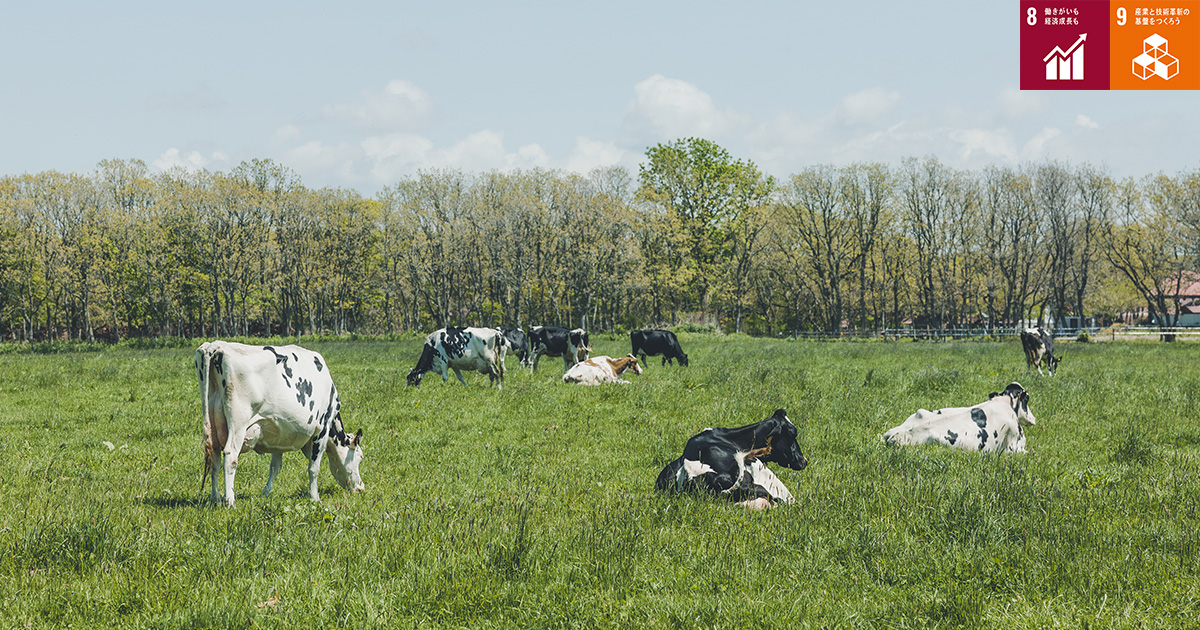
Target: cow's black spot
317, 361
979, 417
217, 362
995, 434
303, 390
222, 383
951, 436
311, 404
982, 438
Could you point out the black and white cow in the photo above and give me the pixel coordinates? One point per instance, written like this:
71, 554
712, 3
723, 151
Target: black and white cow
656, 342
997, 425
272, 400
472, 349
732, 463
1039, 348
518, 342
553, 341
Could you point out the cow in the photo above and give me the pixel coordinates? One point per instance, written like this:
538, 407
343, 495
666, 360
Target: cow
732, 463
272, 399
655, 342
1039, 349
996, 425
553, 341
517, 341
600, 370
473, 349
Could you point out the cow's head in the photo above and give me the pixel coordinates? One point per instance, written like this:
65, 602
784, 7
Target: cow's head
579, 338
1053, 364
781, 440
631, 364
683, 359
1020, 403
414, 377
345, 457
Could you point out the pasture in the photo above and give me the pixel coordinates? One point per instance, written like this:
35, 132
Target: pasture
533, 507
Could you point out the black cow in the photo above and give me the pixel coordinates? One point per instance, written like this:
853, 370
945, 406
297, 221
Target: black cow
655, 342
732, 462
553, 341
1039, 348
518, 342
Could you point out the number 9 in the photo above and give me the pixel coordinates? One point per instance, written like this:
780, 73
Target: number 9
1121, 16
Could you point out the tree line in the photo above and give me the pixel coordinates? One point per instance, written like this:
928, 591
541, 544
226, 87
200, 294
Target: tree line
696, 236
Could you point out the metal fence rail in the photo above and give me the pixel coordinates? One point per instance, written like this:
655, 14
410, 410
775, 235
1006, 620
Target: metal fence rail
1109, 333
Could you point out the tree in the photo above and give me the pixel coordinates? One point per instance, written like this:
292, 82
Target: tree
705, 192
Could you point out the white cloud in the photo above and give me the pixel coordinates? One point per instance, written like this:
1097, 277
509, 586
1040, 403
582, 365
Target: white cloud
1016, 103
1037, 146
589, 154
173, 158
667, 109
871, 106
1086, 123
992, 143
400, 106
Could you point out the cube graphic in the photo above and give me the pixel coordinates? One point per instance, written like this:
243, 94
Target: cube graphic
1154, 60
1155, 45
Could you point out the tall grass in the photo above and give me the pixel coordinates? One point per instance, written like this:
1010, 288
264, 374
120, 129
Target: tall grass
534, 506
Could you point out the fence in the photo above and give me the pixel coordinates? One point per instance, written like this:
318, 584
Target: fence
1112, 333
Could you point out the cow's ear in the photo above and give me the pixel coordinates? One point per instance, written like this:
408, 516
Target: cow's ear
357, 439
992, 395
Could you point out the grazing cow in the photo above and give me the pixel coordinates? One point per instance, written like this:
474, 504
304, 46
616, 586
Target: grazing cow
473, 349
997, 425
272, 400
732, 463
602, 369
1039, 348
553, 341
518, 342
655, 342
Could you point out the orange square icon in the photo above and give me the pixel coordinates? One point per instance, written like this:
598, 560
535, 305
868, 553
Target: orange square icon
1154, 45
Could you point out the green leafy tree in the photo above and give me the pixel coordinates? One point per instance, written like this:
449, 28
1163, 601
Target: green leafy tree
706, 194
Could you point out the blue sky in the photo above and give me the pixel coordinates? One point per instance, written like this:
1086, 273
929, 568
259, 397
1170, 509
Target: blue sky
360, 95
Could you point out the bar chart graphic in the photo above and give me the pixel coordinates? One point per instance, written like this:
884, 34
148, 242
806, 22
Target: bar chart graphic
1066, 65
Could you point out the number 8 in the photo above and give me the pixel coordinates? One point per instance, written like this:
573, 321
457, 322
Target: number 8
1031, 16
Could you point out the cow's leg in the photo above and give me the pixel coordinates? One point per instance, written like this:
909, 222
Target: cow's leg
313, 451
276, 466
216, 473
760, 503
458, 373
233, 448
567, 361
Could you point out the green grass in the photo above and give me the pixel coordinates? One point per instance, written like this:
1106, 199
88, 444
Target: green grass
533, 507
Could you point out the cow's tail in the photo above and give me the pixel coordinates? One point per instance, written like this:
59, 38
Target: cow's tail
209, 432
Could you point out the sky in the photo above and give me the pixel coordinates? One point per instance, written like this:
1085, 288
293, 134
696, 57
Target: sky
361, 95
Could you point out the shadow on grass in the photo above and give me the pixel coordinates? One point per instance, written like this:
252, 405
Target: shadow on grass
174, 503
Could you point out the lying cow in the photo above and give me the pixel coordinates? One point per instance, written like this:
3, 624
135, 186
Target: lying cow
517, 341
732, 463
473, 349
553, 341
1039, 349
656, 342
272, 400
997, 425
602, 369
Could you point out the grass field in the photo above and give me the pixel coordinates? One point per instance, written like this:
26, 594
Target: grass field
533, 507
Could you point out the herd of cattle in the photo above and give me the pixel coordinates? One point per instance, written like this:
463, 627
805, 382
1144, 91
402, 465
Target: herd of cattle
276, 399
